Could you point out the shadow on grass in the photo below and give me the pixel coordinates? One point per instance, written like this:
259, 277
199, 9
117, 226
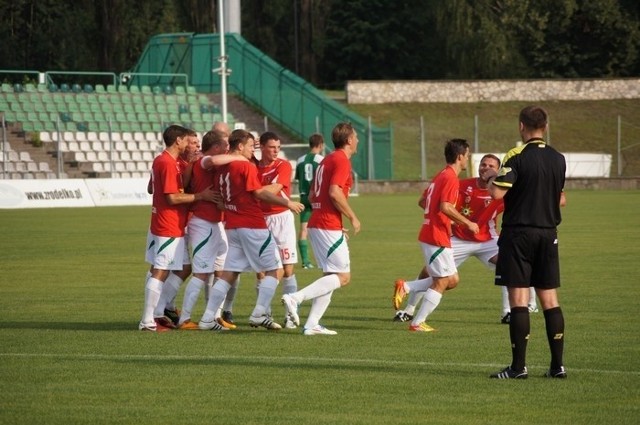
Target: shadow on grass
72, 326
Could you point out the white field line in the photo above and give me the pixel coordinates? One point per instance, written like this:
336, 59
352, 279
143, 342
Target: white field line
289, 360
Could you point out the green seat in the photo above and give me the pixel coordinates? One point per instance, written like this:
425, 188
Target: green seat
122, 89
145, 89
134, 89
106, 107
9, 116
142, 117
99, 116
180, 90
139, 108
87, 116
42, 88
131, 117
50, 107
30, 88
43, 116
100, 88
112, 89
95, 107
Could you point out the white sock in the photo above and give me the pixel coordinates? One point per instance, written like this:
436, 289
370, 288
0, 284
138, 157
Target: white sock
506, 308
231, 296
169, 291
318, 306
207, 287
532, 298
152, 291
431, 300
412, 302
289, 284
419, 285
322, 286
191, 294
266, 291
216, 296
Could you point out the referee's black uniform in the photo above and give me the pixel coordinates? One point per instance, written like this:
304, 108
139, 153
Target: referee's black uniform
534, 175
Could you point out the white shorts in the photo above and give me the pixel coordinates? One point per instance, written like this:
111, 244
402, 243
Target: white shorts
165, 253
208, 245
484, 251
283, 229
439, 260
186, 257
330, 249
251, 249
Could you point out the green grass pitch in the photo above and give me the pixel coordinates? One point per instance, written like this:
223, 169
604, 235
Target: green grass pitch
71, 290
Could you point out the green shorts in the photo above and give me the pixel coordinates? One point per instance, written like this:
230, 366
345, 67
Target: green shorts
306, 214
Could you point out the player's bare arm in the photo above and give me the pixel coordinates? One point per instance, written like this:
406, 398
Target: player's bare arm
187, 198
450, 211
212, 161
264, 195
342, 205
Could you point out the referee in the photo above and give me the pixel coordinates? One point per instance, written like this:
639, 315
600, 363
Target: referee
531, 181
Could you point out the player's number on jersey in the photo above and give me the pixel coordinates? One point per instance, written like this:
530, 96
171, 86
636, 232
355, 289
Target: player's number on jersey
225, 187
317, 183
427, 201
308, 172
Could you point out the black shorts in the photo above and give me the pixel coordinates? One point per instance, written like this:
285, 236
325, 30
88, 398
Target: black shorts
528, 256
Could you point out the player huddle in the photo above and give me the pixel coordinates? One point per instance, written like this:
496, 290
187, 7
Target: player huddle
220, 212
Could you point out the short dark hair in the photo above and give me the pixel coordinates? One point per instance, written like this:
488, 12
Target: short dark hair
266, 136
492, 156
533, 118
315, 140
212, 138
453, 148
171, 134
239, 137
341, 133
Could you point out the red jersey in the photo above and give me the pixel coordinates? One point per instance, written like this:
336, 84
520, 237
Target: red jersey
236, 181
436, 228
202, 179
335, 169
277, 172
477, 205
167, 220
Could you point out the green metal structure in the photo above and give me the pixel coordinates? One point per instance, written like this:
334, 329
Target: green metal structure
284, 97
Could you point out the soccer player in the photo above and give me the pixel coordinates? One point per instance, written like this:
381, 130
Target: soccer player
306, 167
475, 203
206, 235
166, 311
168, 219
329, 199
439, 202
251, 246
530, 182
275, 176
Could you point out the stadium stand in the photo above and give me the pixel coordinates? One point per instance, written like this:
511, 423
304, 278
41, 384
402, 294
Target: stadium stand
99, 131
